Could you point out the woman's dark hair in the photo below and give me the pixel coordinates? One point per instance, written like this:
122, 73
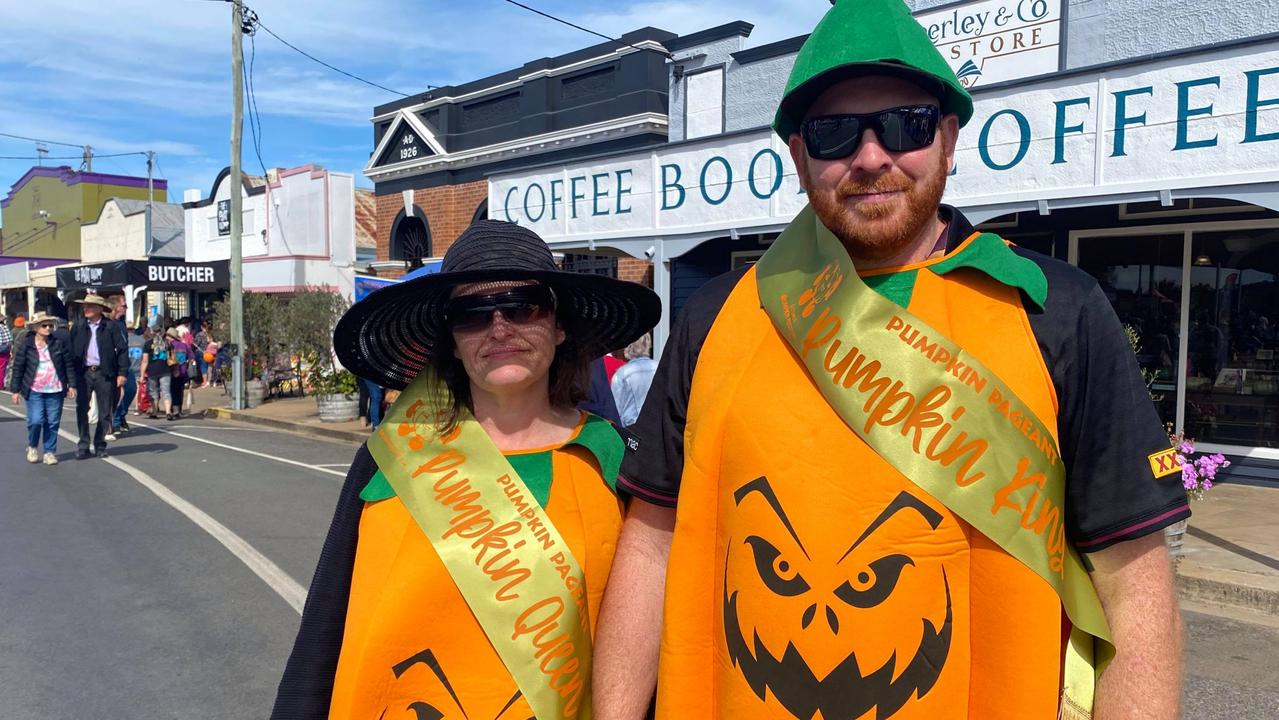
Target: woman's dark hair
570, 373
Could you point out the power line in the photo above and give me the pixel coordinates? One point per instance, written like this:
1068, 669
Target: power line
588, 30
37, 140
69, 157
251, 23
308, 55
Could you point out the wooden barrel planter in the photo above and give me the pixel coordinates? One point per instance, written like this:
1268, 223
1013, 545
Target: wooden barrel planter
338, 408
254, 393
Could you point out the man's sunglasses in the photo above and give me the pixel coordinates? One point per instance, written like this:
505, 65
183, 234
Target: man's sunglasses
901, 129
519, 305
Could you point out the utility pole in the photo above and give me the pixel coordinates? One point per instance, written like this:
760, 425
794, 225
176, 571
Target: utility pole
150, 201
237, 216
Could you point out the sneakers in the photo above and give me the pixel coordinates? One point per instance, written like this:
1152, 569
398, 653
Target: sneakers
50, 459
33, 455
111, 437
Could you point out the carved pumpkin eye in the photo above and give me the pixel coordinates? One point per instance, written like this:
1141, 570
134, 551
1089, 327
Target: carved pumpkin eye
778, 574
871, 586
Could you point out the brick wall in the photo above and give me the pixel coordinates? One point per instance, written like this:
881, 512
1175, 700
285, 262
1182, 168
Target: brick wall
448, 209
639, 271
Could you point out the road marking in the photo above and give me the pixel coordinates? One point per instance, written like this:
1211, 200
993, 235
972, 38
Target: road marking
344, 465
210, 427
270, 573
255, 453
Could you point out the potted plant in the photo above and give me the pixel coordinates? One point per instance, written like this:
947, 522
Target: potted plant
336, 396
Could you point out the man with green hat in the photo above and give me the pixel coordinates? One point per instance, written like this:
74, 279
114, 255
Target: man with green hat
899, 468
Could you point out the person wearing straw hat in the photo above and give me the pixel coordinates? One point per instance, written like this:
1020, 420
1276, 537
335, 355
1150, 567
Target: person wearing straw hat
462, 573
101, 355
42, 376
899, 468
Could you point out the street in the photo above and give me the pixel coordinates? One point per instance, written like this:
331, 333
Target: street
167, 581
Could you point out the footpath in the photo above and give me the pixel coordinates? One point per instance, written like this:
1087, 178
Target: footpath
1230, 553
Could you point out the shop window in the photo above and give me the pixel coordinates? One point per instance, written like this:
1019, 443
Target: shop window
704, 103
1141, 276
1232, 384
590, 264
1184, 207
410, 239
1041, 243
745, 258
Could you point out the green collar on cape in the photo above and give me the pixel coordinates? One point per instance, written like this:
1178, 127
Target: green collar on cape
987, 253
596, 435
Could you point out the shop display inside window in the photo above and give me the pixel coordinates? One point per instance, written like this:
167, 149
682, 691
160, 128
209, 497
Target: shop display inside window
1232, 382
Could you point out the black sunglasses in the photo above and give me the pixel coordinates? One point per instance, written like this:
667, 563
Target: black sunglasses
901, 129
519, 305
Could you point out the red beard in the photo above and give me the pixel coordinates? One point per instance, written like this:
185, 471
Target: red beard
868, 230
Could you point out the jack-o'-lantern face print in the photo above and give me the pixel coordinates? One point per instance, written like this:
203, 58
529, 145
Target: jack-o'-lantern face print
430, 695
832, 630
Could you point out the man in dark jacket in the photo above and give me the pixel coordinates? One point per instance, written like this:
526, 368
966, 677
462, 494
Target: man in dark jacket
101, 356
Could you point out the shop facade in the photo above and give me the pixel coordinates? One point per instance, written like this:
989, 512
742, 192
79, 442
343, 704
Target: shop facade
298, 229
433, 152
154, 289
1157, 173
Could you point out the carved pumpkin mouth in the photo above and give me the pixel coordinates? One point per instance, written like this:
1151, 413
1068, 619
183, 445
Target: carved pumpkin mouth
788, 570
845, 693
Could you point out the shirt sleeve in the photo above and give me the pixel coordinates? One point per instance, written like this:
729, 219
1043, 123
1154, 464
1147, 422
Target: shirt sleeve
654, 458
306, 689
1107, 423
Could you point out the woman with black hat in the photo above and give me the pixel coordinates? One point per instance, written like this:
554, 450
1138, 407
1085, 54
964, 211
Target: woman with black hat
468, 554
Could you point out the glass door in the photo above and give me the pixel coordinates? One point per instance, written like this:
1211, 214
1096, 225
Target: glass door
1232, 384
1141, 276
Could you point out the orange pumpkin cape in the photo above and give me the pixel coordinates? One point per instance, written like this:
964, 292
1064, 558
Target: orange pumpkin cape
816, 569
481, 605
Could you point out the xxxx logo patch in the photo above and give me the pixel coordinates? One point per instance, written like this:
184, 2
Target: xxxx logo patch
1164, 463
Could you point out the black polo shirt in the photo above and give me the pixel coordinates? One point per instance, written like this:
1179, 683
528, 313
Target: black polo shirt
1107, 424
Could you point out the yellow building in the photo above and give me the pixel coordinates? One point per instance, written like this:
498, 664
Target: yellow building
43, 211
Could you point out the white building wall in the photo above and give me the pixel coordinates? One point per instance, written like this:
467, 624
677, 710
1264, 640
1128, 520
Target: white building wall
113, 236
1097, 32
203, 241
303, 232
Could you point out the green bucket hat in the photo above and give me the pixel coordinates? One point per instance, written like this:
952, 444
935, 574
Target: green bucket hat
868, 37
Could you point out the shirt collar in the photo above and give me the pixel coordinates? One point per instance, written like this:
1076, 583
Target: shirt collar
990, 254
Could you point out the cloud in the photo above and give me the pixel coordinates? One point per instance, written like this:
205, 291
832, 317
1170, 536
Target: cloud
130, 75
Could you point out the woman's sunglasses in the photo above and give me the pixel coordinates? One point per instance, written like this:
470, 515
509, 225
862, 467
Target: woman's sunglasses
519, 305
901, 129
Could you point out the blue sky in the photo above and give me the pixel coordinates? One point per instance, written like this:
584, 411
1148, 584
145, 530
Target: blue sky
135, 75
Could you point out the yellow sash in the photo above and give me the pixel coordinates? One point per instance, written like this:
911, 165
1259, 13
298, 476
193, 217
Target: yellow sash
516, 573
941, 418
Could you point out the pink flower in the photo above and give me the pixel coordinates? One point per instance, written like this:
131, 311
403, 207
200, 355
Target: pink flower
1186, 447
1189, 477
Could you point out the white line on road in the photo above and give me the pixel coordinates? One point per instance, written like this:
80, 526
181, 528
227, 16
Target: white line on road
275, 578
255, 453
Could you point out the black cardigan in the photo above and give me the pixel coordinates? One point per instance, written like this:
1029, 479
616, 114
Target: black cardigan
26, 360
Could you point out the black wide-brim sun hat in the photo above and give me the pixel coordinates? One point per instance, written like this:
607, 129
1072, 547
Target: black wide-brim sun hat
387, 337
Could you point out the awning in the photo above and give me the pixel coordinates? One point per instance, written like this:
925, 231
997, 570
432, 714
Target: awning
156, 274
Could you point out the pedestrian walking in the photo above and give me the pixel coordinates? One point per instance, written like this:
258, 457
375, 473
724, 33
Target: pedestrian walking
101, 359
179, 370
43, 374
374, 393
494, 351
137, 348
6, 349
123, 396
156, 363
856, 498
631, 381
